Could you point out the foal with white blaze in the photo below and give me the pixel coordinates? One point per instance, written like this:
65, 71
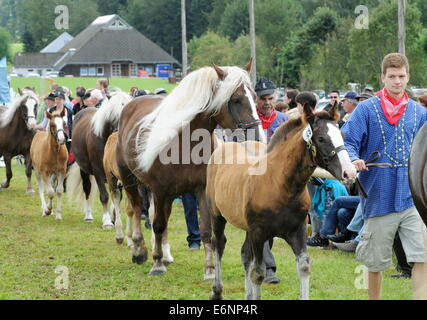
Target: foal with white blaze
274, 203
49, 156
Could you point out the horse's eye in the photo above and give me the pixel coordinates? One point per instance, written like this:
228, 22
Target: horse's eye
321, 139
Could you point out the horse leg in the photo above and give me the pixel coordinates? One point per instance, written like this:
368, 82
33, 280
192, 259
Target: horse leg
298, 241
218, 243
103, 197
28, 171
257, 269
206, 235
115, 198
41, 193
129, 226
8, 162
139, 251
50, 191
247, 258
160, 224
87, 185
166, 248
59, 192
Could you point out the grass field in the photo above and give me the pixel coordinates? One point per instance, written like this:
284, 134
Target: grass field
32, 247
42, 85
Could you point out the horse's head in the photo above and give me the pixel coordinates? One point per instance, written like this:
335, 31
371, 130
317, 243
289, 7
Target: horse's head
325, 140
57, 125
29, 106
237, 100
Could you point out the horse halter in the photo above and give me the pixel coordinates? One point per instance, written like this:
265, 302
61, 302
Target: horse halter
307, 136
240, 124
55, 133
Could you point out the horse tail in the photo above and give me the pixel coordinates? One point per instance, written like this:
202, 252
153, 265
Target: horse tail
75, 191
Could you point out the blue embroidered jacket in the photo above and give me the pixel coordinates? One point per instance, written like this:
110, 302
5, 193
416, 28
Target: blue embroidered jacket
281, 117
367, 131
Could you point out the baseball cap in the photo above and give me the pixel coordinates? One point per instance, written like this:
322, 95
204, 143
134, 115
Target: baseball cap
264, 86
351, 95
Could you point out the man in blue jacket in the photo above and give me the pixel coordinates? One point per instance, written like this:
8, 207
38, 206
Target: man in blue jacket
387, 123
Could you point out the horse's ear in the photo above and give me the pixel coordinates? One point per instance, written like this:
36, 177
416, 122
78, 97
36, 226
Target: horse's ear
308, 114
334, 115
248, 66
20, 91
221, 73
48, 115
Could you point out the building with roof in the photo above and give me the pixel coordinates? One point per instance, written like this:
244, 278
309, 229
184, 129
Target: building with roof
108, 47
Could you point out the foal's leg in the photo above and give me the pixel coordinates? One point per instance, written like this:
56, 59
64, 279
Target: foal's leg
115, 198
206, 235
129, 226
50, 191
103, 197
257, 269
87, 185
28, 171
218, 243
41, 193
8, 162
59, 192
160, 224
247, 258
297, 240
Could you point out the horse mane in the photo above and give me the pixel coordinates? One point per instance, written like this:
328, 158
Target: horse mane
7, 116
283, 131
109, 112
199, 92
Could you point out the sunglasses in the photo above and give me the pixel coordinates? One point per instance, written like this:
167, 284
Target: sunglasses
334, 97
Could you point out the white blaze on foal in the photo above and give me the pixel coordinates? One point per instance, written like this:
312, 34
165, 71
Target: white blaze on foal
348, 169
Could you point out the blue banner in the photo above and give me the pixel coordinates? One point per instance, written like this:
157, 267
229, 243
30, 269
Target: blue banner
4, 83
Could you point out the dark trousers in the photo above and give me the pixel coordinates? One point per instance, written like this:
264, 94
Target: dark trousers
268, 256
189, 201
402, 264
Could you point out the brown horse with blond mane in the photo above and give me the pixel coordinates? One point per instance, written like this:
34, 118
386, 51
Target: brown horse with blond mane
49, 156
266, 194
154, 130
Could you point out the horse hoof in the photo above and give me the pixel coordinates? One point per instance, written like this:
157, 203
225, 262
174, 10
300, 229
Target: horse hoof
107, 227
119, 240
157, 272
30, 192
215, 296
5, 185
208, 277
138, 259
89, 220
167, 262
58, 218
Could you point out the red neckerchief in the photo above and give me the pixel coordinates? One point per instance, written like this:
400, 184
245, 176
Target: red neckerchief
393, 109
267, 121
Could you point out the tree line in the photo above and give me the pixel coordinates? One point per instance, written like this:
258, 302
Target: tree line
306, 44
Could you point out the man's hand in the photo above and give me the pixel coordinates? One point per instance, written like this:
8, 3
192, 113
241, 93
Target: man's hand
360, 165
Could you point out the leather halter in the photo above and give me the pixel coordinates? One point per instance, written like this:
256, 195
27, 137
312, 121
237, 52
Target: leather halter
240, 124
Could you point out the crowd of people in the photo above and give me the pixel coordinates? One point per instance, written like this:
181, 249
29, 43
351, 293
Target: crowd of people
339, 218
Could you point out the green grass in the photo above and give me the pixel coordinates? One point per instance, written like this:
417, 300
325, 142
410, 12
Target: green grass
42, 85
31, 247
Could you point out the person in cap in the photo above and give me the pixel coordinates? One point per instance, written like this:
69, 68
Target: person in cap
270, 118
365, 95
334, 97
140, 93
78, 100
49, 102
349, 103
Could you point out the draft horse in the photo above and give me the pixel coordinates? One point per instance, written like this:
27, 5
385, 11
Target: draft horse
49, 156
92, 127
159, 147
265, 194
17, 129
